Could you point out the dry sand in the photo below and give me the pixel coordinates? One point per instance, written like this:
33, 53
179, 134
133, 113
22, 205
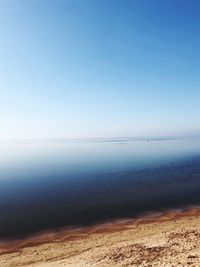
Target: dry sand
170, 239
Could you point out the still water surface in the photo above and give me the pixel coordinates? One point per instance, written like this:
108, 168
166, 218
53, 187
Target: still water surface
47, 184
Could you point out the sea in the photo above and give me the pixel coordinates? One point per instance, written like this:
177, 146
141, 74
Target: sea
48, 184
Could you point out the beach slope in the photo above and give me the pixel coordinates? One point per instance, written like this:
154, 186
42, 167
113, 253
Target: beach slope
169, 239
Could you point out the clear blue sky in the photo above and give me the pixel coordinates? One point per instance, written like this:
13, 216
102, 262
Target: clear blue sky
106, 68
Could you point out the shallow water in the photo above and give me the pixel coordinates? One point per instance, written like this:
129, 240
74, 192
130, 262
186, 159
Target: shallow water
48, 184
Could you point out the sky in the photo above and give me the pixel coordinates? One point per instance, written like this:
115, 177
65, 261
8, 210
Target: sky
99, 68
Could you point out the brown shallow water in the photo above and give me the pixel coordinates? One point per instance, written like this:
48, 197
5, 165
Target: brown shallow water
168, 239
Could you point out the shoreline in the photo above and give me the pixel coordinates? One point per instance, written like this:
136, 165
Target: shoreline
66, 234
168, 239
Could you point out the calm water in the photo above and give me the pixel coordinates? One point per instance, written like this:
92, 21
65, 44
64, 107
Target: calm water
51, 184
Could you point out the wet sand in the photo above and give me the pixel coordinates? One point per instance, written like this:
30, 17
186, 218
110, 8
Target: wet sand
167, 239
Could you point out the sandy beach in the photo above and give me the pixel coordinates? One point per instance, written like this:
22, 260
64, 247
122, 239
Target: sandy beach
167, 239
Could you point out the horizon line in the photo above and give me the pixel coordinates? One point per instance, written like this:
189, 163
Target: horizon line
117, 138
